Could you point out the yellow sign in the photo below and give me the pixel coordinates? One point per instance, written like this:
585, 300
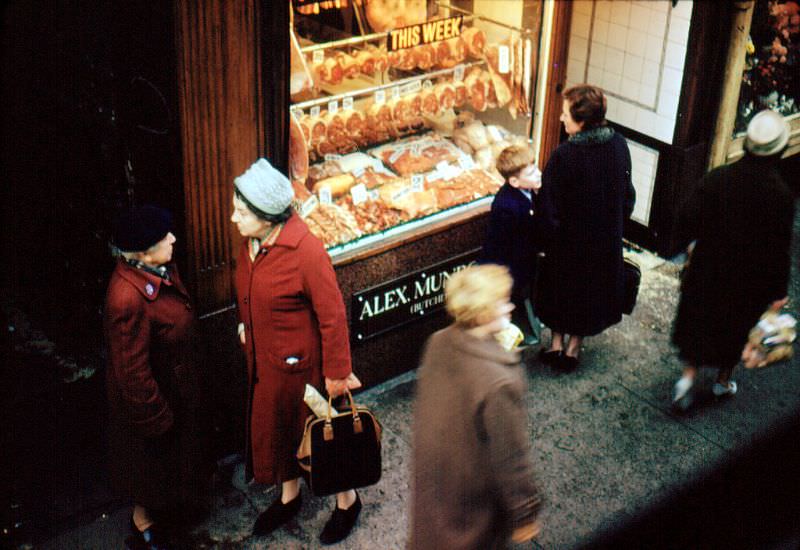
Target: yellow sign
424, 33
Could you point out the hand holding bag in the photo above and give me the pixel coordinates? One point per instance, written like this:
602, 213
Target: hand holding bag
341, 452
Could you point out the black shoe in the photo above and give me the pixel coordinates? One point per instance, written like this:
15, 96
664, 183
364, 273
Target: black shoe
152, 538
549, 357
566, 363
276, 515
341, 523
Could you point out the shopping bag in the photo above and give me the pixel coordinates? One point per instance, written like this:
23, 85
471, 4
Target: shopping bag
341, 452
770, 341
631, 277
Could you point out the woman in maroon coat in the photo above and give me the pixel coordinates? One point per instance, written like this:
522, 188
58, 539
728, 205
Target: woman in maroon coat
294, 332
156, 452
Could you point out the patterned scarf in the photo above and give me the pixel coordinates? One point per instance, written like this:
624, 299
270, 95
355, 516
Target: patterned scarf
594, 136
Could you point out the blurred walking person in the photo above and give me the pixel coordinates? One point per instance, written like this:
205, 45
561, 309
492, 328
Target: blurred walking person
472, 481
737, 228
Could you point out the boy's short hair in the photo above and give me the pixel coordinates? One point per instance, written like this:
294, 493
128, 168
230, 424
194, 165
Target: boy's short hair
513, 159
474, 291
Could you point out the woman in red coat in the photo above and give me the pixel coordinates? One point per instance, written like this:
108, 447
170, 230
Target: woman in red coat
294, 332
156, 452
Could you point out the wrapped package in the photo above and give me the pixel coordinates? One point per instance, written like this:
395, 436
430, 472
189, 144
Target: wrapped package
510, 337
770, 340
317, 403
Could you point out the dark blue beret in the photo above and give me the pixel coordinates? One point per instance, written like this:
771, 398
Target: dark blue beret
137, 229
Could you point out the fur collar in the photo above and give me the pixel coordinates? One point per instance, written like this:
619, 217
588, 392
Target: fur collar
595, 136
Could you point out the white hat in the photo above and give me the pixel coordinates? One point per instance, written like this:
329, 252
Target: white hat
265, 188
767, 134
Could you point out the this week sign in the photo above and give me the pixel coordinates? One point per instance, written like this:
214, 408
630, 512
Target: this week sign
424, 33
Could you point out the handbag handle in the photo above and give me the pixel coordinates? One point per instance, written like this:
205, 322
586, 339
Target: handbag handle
327, 430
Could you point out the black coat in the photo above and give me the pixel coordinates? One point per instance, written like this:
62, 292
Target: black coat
512, 239
741, 218
586, 197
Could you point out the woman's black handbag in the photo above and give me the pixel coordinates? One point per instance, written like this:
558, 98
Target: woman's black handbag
342, 452
631, 277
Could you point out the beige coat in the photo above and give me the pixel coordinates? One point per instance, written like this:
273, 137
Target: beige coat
472, 479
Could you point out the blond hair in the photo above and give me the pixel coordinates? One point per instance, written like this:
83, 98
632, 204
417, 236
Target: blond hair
512, 159
474, 291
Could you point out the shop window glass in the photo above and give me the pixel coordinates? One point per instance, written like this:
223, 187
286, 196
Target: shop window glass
771, 76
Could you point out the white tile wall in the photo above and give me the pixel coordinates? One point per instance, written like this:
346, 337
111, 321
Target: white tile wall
636, 51
644, 161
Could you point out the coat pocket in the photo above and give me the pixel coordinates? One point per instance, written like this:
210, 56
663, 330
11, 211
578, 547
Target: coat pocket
298, 362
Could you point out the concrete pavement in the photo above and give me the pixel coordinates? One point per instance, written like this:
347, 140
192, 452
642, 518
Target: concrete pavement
605, 442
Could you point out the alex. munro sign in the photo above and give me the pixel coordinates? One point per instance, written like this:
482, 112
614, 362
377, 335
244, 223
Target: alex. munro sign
403, 300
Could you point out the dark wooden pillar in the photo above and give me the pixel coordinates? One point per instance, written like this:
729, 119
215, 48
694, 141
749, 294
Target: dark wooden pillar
556, 78
222, 130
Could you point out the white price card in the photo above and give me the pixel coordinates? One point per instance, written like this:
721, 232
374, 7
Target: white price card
332, 156
359, 193
504, 59
374, 195
400, 193
318, 56
417, 183
396, 92
427, 85
325, 195
380, 97
458, 73
442, 166
358, 172
308, 206
466, 162
315, 111
333, 107
347, 103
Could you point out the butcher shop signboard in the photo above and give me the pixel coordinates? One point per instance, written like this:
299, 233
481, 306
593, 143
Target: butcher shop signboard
424, 33
403, 300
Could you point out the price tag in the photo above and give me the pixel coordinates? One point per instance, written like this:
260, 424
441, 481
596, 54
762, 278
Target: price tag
504, 60
332, 156
494, 133
396, 92
466, 162
412, 87
325, 195
333, 107
358, 172
377, 165
417, 183
347, 103
374, 195
318, 56
427, 85
400, 193
308, 206
442, 166
359, 193
458, 73
380, 97
315, 111
433, 176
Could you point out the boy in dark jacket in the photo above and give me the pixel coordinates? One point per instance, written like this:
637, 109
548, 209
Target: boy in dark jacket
512, 236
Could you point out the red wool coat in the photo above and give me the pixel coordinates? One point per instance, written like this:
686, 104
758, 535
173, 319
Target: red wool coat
156, 450
296, 334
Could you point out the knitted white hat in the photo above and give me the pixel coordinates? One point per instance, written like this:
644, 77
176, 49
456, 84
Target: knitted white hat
767, 134
265, 188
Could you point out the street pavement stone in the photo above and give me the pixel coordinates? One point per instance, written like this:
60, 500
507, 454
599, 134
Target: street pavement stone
605, 441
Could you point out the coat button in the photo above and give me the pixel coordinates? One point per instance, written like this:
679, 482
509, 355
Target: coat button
245, 299
530, 212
